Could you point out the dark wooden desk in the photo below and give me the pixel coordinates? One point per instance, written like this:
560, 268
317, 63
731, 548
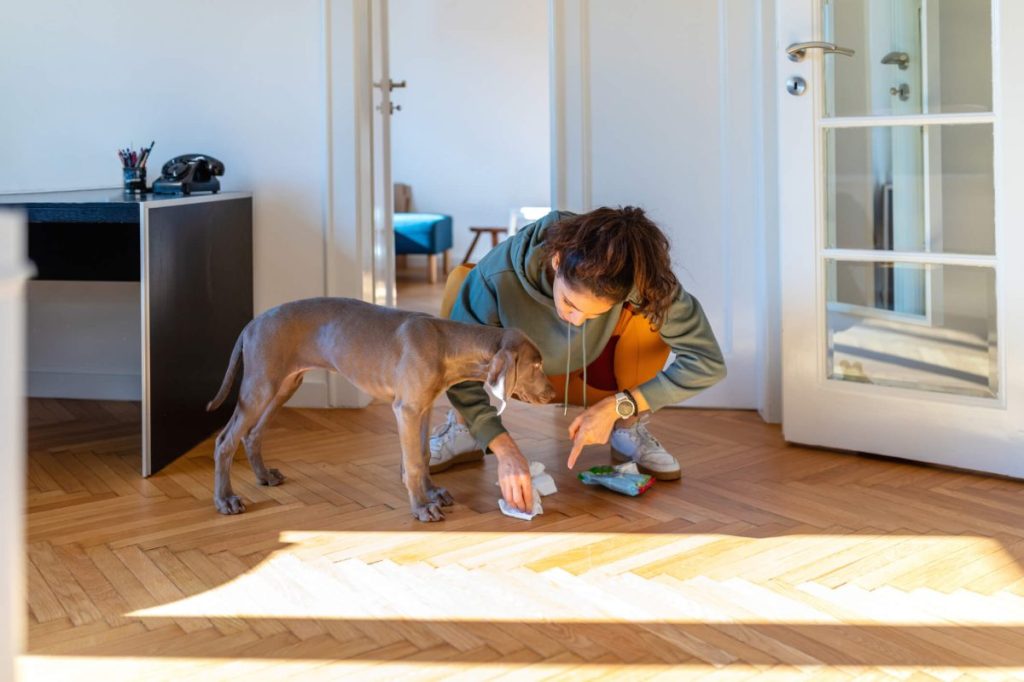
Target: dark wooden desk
193, 259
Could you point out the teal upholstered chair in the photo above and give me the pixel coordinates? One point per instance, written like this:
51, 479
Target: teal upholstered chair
428, 234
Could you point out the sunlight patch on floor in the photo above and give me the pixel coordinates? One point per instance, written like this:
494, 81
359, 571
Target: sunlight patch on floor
196, 669
588, 577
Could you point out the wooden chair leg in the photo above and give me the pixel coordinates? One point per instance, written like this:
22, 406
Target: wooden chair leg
447, 262
472, 245
432, 268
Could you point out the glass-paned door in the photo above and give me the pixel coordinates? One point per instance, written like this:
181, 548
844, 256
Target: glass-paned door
894, 287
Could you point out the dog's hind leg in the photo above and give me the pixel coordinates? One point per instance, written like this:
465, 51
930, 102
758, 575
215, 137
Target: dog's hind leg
415, 469
253, 442
253, 398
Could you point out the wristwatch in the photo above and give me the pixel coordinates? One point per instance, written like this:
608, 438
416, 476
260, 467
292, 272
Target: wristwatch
625, 405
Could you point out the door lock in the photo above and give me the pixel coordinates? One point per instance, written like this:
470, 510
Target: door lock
903, 91
796, 86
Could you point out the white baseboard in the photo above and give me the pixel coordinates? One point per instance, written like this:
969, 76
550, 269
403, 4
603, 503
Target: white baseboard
312, 392
84, 386
322, 389
327, 390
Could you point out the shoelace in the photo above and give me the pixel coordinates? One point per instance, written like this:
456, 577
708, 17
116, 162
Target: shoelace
447, 426
645, 437
568, 358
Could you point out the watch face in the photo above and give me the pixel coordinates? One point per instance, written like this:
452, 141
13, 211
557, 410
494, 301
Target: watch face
624, 408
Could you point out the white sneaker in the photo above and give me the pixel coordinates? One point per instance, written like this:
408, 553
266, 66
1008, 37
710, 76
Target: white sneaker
636, 444
451, 444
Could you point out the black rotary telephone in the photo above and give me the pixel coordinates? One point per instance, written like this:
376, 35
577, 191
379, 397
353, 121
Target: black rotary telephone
189, 173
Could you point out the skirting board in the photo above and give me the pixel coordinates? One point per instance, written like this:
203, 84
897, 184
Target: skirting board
327, 390
312, 392
84, 386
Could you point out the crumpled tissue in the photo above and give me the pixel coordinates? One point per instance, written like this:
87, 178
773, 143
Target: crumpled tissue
543, 484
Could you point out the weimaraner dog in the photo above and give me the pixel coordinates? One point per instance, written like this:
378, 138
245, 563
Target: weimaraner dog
403, 357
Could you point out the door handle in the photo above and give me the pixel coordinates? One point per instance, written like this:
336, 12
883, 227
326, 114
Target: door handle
797, 51
390, 85
902, 59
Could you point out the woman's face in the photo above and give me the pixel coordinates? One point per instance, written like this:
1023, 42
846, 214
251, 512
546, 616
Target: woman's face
575, 306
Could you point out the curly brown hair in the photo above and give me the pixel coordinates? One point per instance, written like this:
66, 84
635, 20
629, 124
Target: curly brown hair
613, 251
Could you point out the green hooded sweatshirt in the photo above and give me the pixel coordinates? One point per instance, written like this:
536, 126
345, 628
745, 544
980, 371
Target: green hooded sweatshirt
510, 288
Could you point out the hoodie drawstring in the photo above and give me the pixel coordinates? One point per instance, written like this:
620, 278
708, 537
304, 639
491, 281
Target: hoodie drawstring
584, 364
568, 359
568, 356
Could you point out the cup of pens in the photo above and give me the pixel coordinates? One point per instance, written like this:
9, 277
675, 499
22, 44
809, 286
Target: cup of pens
133, 166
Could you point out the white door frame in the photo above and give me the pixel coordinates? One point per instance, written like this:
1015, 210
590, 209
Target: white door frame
569, 83
383, 192
981, 434
14, 272
358, 260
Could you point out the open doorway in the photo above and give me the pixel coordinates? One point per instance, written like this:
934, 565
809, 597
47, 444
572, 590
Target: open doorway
470, 134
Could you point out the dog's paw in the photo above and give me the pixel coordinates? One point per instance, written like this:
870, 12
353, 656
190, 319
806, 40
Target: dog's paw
441, 496
428, 512
273, 477
232, 504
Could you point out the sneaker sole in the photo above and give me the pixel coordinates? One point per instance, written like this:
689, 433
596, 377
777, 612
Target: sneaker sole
659, 475
461, 458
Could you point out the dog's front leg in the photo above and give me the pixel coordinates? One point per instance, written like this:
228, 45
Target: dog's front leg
436, 492
416, 472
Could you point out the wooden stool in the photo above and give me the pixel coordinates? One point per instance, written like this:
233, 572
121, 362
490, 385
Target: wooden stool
496, 234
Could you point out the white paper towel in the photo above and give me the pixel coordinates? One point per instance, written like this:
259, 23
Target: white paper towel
543, 484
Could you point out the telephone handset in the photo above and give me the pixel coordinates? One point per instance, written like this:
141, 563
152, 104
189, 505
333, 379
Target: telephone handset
189, 173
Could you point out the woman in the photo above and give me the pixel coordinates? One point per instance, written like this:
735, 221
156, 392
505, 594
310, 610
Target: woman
608, 273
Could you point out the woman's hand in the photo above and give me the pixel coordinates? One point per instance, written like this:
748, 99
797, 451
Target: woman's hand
513, 473
593, 427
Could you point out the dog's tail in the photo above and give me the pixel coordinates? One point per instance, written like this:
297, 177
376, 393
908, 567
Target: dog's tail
229, 377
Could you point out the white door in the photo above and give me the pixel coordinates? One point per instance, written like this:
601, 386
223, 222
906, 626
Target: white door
900, 218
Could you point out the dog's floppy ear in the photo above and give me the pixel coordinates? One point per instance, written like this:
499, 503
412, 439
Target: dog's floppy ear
501, 378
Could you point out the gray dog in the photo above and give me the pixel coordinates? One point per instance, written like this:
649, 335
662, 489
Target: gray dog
403, 357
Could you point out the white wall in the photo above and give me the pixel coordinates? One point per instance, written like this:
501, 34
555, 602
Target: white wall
280, 93
473, 136
663, 106
241, 80
272, 90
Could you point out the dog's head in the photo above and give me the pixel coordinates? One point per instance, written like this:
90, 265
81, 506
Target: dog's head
517, 371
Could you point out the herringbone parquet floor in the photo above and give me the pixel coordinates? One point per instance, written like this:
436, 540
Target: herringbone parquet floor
765, 562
